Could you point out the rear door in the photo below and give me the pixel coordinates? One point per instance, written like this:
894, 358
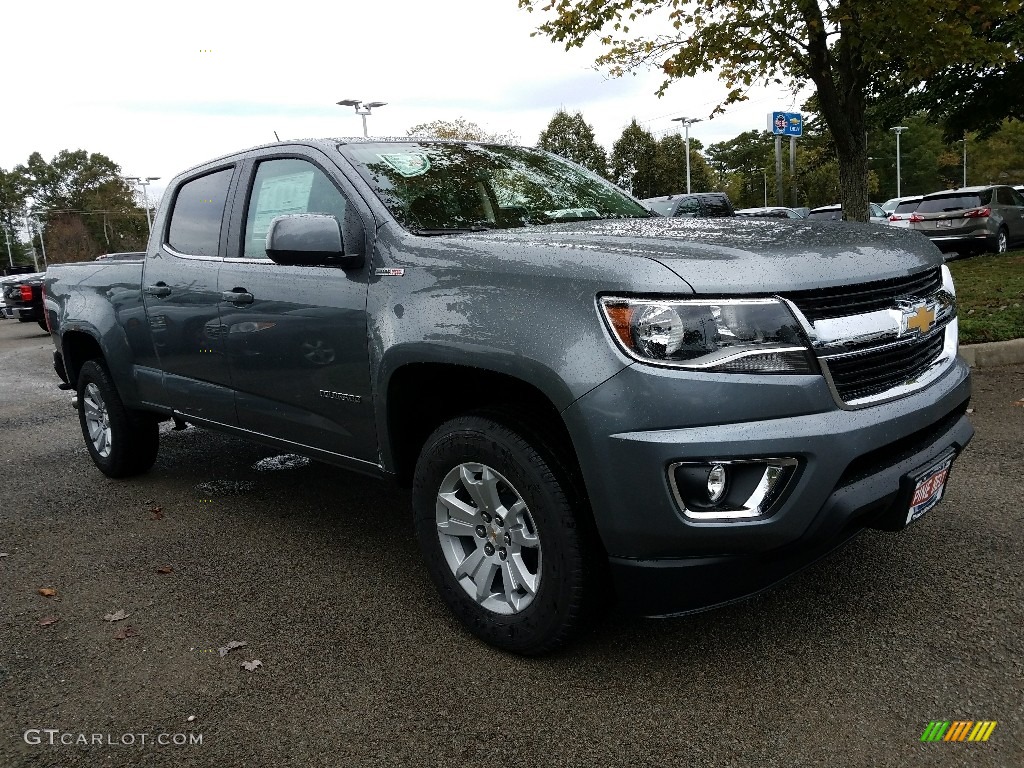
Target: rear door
296, 336
179, 287
1011, 207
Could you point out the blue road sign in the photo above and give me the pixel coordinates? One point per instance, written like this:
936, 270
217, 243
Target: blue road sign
786, 123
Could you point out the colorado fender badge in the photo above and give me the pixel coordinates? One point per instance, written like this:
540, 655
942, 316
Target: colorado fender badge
389, 272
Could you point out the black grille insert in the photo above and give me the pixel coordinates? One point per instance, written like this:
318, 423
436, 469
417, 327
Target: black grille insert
865, 297
863, 374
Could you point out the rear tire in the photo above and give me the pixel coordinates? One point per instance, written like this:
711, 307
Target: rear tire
121, 442
500, 536
1002, 241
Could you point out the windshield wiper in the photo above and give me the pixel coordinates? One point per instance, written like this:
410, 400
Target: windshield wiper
453, 230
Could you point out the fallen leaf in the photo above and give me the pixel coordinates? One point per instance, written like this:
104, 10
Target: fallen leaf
1019, 403
190, 719
165, 569
116, 615
232, 644
47, 591
125, 633
250, 666
157, 513
48, 620
970, 410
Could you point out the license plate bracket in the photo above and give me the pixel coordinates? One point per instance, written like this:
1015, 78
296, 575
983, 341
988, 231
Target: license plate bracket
929, 486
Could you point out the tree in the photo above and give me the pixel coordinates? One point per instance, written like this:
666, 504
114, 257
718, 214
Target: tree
670, 166
632, 161
572, 138
460, 129
12, 213
963, 97
846, 48
89, 187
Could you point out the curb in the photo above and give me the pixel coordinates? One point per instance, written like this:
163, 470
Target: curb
994, 353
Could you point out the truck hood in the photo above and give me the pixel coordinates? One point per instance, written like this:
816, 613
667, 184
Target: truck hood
742, 255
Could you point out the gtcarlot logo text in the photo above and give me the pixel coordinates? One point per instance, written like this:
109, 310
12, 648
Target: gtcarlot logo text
55, 737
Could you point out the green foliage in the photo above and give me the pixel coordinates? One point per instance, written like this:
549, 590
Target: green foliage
962, 96
670, 167
633, 165
84, 205
460, 129
572, 138
845, 47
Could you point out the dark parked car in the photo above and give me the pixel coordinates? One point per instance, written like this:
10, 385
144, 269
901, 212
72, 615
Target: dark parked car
699, 205
972, 219
23, 298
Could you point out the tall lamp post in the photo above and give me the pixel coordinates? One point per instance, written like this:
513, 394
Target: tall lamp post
965, 158
363, 110
687, 122
898, 130
143, 183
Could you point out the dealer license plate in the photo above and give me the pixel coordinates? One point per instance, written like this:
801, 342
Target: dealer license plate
944, 223
929, 489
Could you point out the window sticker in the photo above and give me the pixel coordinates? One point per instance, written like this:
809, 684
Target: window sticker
279, 196
408, 164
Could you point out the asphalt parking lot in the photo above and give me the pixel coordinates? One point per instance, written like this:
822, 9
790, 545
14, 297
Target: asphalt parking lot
316, 570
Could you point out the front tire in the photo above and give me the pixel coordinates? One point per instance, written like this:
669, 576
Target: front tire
499, 533
121, 442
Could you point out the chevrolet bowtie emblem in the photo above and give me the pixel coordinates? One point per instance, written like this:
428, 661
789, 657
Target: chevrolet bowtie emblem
920, 319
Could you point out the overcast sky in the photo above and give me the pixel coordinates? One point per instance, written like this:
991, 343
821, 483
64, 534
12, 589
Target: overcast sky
161, 87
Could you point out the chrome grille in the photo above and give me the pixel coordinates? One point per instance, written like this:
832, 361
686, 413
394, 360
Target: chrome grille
864, 297
872, 372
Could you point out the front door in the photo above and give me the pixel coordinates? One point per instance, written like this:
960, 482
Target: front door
296, 336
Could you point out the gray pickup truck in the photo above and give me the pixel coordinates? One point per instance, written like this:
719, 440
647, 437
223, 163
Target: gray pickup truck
590, 402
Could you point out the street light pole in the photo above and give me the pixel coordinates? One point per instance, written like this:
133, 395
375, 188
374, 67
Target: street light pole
143, 183
965, 158
363, 110
7, 239
42, 244
898, 130
687, 122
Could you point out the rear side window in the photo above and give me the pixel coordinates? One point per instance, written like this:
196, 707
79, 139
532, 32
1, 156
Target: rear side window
1004, 195
716, 205
955, 202
688, 207
197, 214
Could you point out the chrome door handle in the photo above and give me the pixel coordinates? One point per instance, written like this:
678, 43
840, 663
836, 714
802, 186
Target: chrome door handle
237, 296
160, 290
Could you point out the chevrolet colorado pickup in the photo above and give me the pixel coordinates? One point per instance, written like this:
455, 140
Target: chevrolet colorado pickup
589, 402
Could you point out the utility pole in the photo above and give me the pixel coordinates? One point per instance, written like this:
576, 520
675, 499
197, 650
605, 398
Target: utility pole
42, 244
35, 259
687, 122
965, 158
7, 239
363, 110
898, 130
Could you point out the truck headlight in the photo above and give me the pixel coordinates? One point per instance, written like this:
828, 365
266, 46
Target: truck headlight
719, 335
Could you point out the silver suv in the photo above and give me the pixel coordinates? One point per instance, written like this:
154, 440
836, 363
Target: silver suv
972, 219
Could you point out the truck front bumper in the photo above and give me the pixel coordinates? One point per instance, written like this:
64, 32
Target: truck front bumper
853, 473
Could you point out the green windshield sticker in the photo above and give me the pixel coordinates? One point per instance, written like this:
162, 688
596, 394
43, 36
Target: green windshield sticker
408, 164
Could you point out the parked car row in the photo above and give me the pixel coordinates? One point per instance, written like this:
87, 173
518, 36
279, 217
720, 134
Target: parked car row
965, 221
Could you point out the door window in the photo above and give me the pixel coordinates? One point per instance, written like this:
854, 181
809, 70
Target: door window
283, 187
197, 214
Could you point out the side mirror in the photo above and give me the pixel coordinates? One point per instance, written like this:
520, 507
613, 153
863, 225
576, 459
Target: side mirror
309, 239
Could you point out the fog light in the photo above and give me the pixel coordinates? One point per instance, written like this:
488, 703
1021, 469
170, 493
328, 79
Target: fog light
730, 489
716, 483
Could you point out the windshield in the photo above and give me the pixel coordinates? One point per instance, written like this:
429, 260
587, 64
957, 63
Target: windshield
439, 188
